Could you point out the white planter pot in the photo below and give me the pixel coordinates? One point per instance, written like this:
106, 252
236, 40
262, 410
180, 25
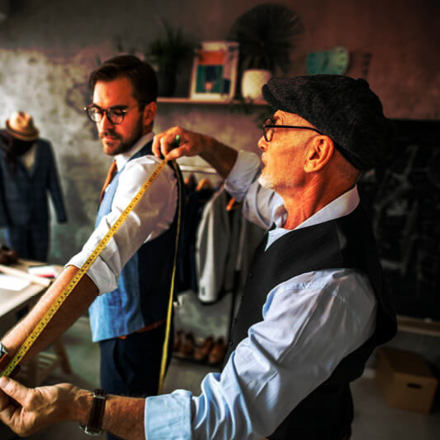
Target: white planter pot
252, 81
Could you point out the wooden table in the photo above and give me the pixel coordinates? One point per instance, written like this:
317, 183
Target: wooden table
14, 305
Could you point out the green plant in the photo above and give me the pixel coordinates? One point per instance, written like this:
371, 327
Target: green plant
266, 34
168, 51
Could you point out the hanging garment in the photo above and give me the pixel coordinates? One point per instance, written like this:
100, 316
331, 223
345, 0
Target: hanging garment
224, 246
194, 202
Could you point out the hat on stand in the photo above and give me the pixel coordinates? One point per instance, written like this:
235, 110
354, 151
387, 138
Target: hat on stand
21, 126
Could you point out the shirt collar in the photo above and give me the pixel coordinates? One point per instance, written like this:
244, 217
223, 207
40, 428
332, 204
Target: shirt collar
123, 158
341, 206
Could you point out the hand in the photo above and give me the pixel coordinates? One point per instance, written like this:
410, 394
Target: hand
190, 144
4, 401
33, 409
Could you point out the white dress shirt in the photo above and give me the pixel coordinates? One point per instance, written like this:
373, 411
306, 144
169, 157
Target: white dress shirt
151, 217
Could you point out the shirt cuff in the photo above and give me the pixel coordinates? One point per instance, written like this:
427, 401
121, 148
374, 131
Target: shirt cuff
101, 275
168, 416
243, 173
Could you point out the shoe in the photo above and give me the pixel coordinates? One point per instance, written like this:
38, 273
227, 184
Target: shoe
217, 354
177, 340
201, 352
187, 344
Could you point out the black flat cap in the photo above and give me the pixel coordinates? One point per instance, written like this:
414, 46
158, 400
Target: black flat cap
344, 108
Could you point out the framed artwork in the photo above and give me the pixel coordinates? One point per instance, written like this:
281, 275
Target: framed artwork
214, 72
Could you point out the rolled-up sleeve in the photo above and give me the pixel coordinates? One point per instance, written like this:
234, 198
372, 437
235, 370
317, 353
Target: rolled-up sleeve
152, 216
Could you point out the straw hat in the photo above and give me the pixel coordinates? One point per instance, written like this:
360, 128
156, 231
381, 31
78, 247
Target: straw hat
21, 126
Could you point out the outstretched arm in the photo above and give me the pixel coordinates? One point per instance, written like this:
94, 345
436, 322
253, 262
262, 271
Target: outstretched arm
37, 408
219, 155
75, 304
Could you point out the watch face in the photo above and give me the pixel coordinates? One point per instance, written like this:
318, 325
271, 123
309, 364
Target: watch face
333, 61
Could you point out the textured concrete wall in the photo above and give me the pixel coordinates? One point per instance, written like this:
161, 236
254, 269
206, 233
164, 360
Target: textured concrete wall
48, 47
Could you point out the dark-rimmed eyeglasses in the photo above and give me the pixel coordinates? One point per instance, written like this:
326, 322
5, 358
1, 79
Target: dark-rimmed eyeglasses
114, 114
269, 126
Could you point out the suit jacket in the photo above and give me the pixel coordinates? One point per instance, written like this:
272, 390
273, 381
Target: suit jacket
24, 194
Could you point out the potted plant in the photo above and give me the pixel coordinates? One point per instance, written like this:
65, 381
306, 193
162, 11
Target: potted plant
166, 53
266, 35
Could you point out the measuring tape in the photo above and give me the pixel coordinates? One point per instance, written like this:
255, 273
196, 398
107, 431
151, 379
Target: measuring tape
27, 344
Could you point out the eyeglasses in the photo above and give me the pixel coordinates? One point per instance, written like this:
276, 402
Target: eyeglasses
114, 114
269, 126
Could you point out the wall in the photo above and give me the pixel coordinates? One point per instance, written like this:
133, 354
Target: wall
48, 47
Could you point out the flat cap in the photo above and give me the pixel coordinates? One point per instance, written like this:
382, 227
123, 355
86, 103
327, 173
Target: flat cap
344, 108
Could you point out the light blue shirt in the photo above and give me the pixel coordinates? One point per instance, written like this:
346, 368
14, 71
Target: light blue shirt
310, 323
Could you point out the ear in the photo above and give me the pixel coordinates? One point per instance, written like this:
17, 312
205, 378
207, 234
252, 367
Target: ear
318, 153
149, 114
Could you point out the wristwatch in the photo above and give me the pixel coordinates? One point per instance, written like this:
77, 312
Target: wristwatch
4, 357
94, 424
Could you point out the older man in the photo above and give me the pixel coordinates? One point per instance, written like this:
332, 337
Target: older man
314, 306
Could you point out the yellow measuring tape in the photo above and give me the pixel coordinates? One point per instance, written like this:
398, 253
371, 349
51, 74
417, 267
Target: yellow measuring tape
29, 341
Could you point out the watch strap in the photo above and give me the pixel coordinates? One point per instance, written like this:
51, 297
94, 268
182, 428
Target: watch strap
94, 424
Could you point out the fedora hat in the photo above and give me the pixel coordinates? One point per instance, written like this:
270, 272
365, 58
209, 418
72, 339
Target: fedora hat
21, 126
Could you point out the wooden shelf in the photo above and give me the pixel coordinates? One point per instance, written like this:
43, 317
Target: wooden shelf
420, 326
174, 100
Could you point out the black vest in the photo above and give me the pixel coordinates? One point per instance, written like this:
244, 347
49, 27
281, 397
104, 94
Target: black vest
346, 242
157, 257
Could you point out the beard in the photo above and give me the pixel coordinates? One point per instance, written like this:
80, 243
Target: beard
265, 181
122, 144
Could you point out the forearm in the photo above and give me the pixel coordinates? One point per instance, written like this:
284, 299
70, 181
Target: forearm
30, 410
219, 155
123, 416
75, 304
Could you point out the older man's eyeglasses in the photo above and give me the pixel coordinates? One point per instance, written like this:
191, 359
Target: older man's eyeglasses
114, 114
269, 128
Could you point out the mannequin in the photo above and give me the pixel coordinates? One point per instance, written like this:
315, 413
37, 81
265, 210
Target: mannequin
28, 174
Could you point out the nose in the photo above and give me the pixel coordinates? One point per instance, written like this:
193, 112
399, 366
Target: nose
105, 123
262, 144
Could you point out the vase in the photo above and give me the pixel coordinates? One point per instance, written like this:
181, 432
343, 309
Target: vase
252, 81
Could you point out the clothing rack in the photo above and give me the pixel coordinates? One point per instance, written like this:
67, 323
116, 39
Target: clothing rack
212, 171
197, 169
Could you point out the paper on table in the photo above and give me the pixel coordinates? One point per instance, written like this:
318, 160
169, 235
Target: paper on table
10, 282
43, 271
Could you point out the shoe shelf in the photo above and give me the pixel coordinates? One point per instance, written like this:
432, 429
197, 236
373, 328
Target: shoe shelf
208, 351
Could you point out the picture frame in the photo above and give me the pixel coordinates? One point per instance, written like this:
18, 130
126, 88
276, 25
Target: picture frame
214, 72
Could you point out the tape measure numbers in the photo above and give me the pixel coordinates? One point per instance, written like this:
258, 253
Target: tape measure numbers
29, 341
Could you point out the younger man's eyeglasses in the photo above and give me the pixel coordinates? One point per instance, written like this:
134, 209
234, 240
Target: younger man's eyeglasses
114, 114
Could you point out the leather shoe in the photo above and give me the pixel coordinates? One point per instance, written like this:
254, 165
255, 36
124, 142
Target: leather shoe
201, 352
186, 348
217, 354
177, 340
